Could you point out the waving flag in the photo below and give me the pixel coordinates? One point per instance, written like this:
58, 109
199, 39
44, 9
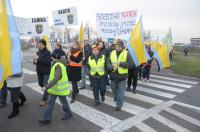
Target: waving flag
136, 46
161, 54
46, 38
10, 47
81, 35
169, 41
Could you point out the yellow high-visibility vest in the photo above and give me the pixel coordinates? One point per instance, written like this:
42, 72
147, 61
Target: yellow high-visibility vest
61, 88
98, 67
122, 58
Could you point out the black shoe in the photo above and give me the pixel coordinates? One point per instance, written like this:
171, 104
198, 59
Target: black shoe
134, 91
118, 109
128, 89
96, 104
72, 101
13, 114
44, 122
114, 98
102, 98
82, 88
2, 105
67, 118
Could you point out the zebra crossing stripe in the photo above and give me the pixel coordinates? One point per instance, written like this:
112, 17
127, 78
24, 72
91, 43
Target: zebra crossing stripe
183, 116
97, 117
133, 109
170, 83
29, 71
155, 92
143, 98
151, 91
162, 87
174, 79
145, 128
170, 123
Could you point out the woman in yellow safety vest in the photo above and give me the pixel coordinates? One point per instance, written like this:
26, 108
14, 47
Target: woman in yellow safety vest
96, 71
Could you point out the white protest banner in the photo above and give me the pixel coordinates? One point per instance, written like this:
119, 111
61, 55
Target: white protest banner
33, 26
118, 24
65, 17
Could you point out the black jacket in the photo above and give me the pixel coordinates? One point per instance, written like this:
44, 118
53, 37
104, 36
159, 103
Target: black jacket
43, 65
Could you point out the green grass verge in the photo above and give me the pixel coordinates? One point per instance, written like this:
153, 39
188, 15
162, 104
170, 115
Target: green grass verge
186, 65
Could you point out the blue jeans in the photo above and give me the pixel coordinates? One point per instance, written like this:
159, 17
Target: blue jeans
42, 81
3, 93
83, 75
118, 88
98, 85
51, 102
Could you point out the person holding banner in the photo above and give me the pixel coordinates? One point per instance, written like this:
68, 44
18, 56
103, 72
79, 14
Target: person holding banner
118, 63
147, 67
74, 66
42, 59
96, 70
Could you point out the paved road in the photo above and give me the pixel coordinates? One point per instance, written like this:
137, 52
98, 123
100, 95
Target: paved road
165, 104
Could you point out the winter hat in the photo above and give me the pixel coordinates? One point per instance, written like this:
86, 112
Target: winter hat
42, 41
95, 46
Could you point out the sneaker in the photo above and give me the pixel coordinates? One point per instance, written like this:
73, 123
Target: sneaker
96, 104
118, 109
43, 103
44, 122
134, 91
68, 117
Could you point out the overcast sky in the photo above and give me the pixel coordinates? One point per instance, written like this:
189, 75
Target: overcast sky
183, 16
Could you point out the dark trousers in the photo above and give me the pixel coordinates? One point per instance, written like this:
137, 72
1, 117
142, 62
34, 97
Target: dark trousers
16, 94
146, 72
42, 81
74, 89
98, 86
140, 71
3, 93
132, 77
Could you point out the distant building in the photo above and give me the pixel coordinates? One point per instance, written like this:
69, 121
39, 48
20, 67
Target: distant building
195, 42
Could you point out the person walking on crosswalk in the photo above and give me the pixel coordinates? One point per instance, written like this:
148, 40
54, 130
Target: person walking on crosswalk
74, 66
42, 60
58, 86
118, 63
96, 69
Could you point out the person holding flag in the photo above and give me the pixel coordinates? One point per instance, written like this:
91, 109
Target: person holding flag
118, 63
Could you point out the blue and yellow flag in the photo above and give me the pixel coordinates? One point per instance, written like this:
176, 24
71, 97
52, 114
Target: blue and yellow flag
10, 47
161, 54
136, 45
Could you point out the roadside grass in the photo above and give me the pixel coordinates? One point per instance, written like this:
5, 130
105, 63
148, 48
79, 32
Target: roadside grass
186, 65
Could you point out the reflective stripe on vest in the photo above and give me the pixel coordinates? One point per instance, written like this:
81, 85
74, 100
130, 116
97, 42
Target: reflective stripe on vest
98, 67
61, 88
71, 63
122, 58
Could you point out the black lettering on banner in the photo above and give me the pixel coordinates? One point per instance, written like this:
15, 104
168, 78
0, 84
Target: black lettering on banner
64, 11
35, 20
